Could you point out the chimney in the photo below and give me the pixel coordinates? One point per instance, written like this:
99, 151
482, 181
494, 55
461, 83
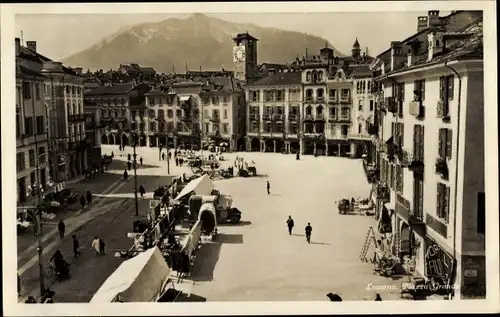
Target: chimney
396, 54
434, 20
422, 23
31, 45
435, 40
18, 46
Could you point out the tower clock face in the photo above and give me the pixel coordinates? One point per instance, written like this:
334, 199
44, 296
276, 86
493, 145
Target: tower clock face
239, 53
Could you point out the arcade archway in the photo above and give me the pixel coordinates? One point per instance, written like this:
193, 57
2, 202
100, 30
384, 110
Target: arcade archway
255, 145
104, 139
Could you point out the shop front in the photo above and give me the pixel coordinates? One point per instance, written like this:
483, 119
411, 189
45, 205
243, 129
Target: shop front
439, 267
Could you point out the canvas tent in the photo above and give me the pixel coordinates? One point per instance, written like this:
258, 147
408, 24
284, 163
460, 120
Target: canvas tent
140, 279
201, 186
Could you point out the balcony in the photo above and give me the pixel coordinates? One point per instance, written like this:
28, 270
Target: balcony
314, 135
254, 116
278, 117
214, 119
266, 116
320, 99
383, 192
417, 109
332, 100
186, 118
339, 119
308, 117
359, 136
443, 110
319, 117
293, 117
309, 100
442, 167
390, 104
345, 99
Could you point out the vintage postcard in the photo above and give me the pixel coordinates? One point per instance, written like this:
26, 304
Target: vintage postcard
245, 158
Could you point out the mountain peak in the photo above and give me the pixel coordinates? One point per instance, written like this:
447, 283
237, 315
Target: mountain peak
198, 40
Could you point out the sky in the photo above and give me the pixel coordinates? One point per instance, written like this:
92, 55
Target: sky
61, 35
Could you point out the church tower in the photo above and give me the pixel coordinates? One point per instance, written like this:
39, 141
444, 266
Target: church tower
245, 57
356, 50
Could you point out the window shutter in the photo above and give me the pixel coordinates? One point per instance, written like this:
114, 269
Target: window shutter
420, 197
422, 90
415, 195
401, 179
402, 133
446, 207
392, 128
441, 143
449, 144
438, 201
451, 84
416, 142
421, 145
441, 88
402, 92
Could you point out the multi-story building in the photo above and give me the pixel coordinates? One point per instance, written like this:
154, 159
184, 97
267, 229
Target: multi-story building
363, 109
114, 114
431, 199
63, 101
31, 135
93, 132
274, 113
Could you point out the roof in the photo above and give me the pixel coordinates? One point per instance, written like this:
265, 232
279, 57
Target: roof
27, 54
30, 72
118, 89
244, 36
361, 71
279, 79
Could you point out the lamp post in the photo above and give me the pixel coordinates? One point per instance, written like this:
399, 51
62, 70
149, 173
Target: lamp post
38, 221
135, 175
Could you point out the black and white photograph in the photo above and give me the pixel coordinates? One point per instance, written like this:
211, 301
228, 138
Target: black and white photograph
286, 154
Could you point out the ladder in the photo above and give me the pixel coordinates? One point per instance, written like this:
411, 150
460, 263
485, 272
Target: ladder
370, 237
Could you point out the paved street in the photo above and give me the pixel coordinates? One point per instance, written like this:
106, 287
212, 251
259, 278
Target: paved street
110, 217
259, 261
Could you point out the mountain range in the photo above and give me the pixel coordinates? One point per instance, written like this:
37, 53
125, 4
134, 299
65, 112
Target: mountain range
198, 40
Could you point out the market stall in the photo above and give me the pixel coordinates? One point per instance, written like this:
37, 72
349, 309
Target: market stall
144, 278
200, 186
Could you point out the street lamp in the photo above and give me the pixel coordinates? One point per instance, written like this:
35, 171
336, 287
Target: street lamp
135, 174
38, 221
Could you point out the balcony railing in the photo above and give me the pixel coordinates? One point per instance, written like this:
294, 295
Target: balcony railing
332, 100
214, 118
266, 116
254, 116
308, 117
319, 117
416, 165
309, 99
442, 167
359, 136
293, 117
314, 135
278, 117
320, 99
443, 110
344, 99
339, 119
417, 109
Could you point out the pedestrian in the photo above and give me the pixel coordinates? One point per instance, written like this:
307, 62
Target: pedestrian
140, 160
89, 197
82, 201
142, 191
112, 154
298, 156
101, 246
176, 161
163, 156
96, 245
129, 165
120, 147
76, 247
129, 157
268, 188
125, 175
378, 298
290, 224
308, 232
62, 228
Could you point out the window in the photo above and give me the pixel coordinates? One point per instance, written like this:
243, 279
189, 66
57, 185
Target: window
31, 155
37, 91
344, 130
40, 128
178, 113
161, 114
309, 93
26, 90
320, 93
225, 99
215, 113
332, 93
419, 90
293, 128
255, 95
363, 88
444, 144
308, 76
333, 112
280, 96
418, 198
206, 127
345, 113
443, 202
225, 128
481, 213
345, 94
360, 106
399, 178
360, 128
28, 126
418, 142
267, 127
446, 87
67, 89
225, 113
255, 127
369, 86
371, 105
41, 154
20, 162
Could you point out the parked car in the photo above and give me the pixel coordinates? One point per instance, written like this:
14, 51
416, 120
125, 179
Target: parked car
67, 195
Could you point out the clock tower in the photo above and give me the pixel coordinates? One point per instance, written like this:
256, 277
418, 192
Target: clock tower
245, 57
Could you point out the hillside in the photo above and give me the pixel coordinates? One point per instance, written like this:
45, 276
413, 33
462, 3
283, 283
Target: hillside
198, 40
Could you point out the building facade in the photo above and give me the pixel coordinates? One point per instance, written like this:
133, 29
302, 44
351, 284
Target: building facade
430, 151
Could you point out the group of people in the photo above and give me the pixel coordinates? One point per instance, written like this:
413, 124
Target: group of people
308, 229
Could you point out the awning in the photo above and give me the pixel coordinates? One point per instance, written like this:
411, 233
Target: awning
140, 279
390, 206
200, 186
184, 98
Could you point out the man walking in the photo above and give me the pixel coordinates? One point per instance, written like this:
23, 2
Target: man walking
162, 157
76, 246
101, 247
142, 191
140, 160
290, 224
96, 245
62, 228
89, 197
309, 229
82, 201
268, 188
